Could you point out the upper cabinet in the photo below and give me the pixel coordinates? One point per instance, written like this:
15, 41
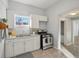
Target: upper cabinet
35, 19
42, 18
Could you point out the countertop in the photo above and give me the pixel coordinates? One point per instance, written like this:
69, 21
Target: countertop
24, 37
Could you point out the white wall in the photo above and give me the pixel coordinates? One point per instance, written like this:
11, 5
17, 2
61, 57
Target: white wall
5, 3
75, 32
3, 6
20, 9
53, 13
75, 27
2, 49
68, 32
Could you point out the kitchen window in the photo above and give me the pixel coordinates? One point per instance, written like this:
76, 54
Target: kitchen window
22, 24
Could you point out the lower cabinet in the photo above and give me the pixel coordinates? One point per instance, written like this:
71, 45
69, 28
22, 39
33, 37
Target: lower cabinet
18, 47
9, 48
14, 47
29, 45
2, 49
32, 44
36, 42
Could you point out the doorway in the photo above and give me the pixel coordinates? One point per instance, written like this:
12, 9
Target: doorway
62, 32
69, 36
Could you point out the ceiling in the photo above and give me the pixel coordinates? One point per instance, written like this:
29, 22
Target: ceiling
38, 3
73, 14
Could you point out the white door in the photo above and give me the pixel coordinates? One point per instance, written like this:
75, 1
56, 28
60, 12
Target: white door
9, 48
18, 47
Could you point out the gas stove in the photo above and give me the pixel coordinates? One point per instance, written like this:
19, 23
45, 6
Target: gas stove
46, 40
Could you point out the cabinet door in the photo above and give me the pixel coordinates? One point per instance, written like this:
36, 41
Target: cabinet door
9, 48
43, 18
35, 22
2, 49
29, 45
18, 47
36, 42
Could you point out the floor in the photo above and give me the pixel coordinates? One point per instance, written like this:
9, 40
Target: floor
26, 55
74, 48
49, 53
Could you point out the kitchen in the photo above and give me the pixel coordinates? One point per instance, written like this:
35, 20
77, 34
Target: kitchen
26, 42
31, 28
23, 38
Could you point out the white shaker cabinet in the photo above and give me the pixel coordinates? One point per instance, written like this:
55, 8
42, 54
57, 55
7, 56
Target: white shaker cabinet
43, 18
9, 48
18, 47
32, 44
29, 45
34, 21
36, 42
14, 47
2, 49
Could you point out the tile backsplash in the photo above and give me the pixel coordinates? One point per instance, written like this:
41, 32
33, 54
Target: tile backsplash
27, 30
21, 31
34, 30
43, 25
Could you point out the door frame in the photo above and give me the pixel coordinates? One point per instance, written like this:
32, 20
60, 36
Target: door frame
59, 39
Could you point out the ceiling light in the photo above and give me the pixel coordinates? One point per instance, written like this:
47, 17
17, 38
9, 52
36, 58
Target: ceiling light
73, 14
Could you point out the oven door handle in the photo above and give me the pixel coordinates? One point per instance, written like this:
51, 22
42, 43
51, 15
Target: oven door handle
46, 40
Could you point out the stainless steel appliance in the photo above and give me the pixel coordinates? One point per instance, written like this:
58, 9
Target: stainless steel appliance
46, 40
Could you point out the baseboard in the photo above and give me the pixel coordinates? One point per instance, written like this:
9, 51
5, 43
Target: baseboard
68, 44
67, 53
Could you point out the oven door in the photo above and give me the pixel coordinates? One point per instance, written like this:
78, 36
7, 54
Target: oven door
45, 42
50, 41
